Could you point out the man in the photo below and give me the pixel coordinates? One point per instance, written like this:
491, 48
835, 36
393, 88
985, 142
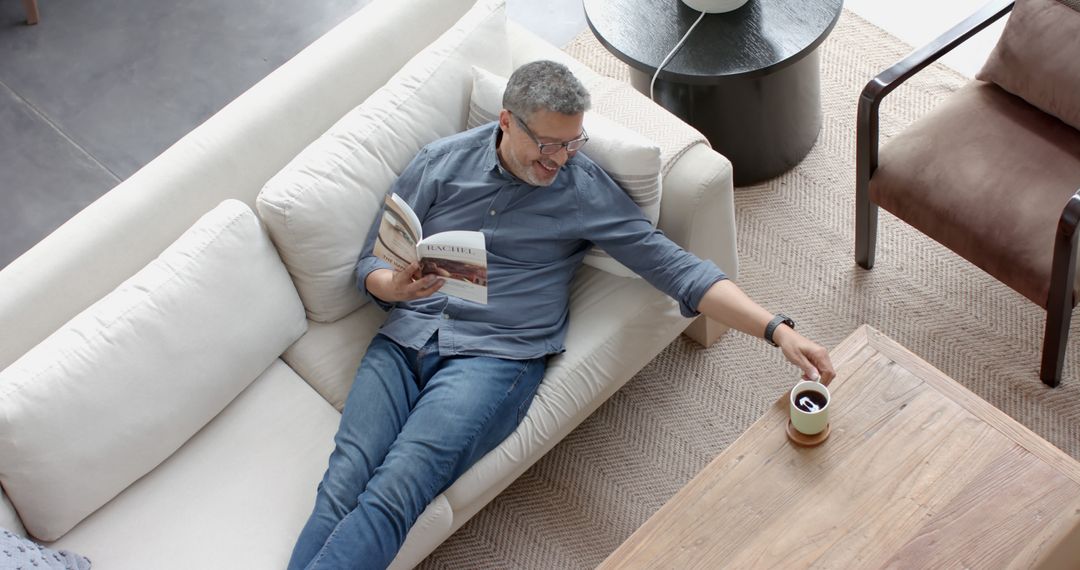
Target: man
446, 380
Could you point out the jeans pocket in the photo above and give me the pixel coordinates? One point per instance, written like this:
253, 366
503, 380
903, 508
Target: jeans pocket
526, 403
527, 383
523, 409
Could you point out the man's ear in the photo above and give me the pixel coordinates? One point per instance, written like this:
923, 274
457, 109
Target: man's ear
504, 120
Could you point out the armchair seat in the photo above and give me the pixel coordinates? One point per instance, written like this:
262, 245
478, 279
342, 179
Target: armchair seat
986, 175
993, 173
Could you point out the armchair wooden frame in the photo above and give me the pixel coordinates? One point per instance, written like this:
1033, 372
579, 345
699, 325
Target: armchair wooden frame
1059, 302
32, 15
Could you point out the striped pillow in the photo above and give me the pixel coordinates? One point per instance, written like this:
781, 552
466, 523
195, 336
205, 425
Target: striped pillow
630, 159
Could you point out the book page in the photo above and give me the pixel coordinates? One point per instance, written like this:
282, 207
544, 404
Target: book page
459, 257
399, 232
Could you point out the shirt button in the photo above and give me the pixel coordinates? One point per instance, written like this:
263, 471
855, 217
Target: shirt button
492, 212
445, 317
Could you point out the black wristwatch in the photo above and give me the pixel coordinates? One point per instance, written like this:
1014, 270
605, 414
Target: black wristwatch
776, 321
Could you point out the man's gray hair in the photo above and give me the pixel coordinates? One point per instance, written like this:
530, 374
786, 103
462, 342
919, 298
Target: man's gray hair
544, 85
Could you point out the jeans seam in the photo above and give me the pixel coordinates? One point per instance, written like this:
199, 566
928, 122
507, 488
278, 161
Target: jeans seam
484, 422
322, 551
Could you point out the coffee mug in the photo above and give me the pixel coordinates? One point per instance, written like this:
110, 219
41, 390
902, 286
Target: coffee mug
809, 407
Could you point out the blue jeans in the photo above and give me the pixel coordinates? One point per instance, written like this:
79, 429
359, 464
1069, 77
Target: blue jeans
413, 422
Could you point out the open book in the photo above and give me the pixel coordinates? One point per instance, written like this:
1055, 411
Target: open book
459, 257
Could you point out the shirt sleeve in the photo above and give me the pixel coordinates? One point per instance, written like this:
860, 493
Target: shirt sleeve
612, 221
418, 190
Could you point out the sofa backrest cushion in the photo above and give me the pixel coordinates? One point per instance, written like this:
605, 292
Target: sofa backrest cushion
629, 158
122, 385
319, 207
1038, 57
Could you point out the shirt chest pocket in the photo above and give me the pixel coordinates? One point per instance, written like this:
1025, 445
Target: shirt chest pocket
530, 237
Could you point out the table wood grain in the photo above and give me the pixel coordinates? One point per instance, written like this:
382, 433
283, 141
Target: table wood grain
918, 472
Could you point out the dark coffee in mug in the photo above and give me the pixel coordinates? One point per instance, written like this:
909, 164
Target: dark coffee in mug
810, 401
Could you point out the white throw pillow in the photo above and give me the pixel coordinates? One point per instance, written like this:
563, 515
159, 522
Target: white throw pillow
630, 159
122, 385
319, 207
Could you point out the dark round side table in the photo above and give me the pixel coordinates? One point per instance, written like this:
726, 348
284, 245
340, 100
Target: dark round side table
747, 79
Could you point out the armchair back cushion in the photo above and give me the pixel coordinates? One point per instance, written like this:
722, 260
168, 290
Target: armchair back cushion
121, 386
319, 208
1038, 57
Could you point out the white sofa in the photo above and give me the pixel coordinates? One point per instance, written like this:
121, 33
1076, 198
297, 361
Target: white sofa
172, 405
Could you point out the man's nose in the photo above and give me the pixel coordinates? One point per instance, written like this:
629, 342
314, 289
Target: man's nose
560, 157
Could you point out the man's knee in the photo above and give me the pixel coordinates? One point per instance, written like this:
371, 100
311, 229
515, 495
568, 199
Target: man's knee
342, 484
415, 472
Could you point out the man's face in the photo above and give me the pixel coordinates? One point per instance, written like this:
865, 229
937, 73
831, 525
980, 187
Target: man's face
520, 153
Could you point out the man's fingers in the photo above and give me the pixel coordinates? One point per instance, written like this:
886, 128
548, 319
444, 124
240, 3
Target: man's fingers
823, 364
813, 361
810, 372
406, 276
811, 358
424, 287
827, 374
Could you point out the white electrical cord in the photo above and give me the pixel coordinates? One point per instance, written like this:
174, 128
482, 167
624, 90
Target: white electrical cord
671, 54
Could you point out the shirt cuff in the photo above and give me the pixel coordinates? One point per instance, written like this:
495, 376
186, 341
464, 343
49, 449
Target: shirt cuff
364, 267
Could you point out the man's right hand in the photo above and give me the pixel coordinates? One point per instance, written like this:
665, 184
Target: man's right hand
405, 285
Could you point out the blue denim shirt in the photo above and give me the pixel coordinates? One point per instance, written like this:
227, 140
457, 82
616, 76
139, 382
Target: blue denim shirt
536, 239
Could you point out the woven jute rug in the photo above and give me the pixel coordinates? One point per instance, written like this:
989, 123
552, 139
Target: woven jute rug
796, 236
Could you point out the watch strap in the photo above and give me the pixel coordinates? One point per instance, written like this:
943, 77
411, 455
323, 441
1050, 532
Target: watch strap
776, 321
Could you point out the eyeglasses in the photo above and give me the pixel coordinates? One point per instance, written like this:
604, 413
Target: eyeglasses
552, 148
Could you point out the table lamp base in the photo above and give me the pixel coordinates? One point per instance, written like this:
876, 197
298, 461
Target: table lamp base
714, 6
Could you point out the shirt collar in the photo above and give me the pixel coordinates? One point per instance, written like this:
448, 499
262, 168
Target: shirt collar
491, 155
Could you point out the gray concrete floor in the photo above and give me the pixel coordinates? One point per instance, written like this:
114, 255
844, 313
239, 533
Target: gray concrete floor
101, 87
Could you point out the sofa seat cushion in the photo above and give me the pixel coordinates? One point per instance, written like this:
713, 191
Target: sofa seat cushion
617, 326
319, 208
328, 354
9, 519
987, 175
121, 386
234, 496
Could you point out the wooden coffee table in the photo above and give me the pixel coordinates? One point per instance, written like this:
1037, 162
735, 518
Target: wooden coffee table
918, 472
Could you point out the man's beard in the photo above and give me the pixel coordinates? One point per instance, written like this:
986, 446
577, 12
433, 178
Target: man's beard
535, 174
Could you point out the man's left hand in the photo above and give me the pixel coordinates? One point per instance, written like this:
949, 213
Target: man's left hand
809, 356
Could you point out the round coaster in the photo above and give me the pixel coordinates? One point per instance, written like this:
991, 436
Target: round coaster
806, 440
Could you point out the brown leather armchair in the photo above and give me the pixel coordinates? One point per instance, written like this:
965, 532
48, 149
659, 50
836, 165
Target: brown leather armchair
987, 174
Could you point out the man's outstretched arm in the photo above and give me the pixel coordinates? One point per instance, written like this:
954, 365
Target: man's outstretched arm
726, 303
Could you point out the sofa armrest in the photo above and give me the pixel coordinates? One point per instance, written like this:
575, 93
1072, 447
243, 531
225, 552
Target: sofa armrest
697, 209
231, 155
